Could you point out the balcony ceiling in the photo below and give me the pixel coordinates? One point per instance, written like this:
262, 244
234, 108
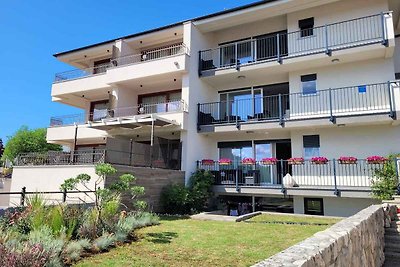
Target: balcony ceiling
256, 13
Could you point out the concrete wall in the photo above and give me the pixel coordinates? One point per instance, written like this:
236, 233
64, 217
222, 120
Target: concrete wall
355, 241
337, 206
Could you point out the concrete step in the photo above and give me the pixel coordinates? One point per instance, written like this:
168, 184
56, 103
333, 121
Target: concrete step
392, 230
392, 255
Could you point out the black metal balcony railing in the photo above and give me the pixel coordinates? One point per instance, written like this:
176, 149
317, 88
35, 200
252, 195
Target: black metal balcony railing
329, 103
280, 46
83, 118
150, 55
333, 174
88, 157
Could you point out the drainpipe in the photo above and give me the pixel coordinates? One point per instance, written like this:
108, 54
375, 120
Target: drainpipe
151, 141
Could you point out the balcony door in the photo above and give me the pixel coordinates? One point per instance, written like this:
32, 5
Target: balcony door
160, 102
241, 105
99, 110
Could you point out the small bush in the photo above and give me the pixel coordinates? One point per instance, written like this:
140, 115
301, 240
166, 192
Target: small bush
34, 256
178, 199
385, 183
104, 242
175, 199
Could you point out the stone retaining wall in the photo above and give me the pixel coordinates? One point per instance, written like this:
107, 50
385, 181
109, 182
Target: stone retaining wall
355, 241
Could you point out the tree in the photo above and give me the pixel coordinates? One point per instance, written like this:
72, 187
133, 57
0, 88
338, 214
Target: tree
385, 182
26, 140
1, 150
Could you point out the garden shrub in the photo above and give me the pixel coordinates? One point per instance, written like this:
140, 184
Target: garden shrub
104, 242
178, 199
175, 199
385, 182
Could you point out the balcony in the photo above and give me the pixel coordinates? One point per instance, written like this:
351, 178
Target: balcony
162, 109
147, 56
331, 178
283, 46
353, 101
161, 61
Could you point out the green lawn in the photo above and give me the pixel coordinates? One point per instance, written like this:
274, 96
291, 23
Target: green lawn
186, 242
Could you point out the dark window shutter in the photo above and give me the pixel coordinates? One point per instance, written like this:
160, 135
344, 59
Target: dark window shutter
308, 78
306, 23
311, 141
397, 75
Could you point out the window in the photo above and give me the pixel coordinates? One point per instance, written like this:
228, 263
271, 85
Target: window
236, 151
306, 27
311, 146
160, 102
99, 110
100, 66
397, 76
314, 206
309, 84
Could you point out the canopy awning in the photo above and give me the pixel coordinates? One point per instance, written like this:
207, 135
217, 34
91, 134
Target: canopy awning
132, 122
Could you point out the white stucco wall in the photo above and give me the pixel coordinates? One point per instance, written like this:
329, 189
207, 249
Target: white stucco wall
337, 206
49, 178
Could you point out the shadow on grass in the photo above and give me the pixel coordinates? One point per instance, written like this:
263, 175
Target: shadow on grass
161, 238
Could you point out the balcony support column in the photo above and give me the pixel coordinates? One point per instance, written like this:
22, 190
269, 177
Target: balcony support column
336, 192
281, 122
327, 50
278, 49
152, 142
332, 118
236, 57
385, 41
392, 113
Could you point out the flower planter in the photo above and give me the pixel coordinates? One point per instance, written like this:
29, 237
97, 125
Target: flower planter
319, 162
296, 162
268, 162
248, 161
348, 161
224, 163
376, 161
207, 162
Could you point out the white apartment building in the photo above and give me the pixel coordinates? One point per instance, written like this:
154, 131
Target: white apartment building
274, 79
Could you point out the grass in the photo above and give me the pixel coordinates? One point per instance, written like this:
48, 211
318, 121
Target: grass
186, 242
288, 219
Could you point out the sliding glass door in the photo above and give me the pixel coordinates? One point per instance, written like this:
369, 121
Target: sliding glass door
241, 105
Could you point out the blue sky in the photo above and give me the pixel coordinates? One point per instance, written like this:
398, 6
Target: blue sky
32, 31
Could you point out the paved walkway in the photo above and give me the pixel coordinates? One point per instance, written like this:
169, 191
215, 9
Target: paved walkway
220, 216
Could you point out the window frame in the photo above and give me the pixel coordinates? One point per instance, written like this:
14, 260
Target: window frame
307, 30
92, 106
306, 206
312, 147
309, 78
162, 93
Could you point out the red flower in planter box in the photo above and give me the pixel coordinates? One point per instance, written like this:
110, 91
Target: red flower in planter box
376, 160
225, 161
347, 160
296, 161
269, 161
248, 161
319, 160
207, 162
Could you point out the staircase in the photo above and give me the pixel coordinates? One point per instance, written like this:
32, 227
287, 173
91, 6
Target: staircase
392, 239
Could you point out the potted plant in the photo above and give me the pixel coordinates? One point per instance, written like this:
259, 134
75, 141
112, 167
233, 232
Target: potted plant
319, 160
225, 161
296, 161
347, 160
269, 161
376, 160
248, 161
207, 162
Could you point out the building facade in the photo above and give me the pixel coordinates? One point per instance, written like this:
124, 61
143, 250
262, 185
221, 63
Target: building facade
266, 82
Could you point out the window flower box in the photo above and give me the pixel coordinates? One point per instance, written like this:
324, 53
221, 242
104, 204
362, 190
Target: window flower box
319, 160
269, 161
376, 160
348, 160
225, 161
208, 162
248, 161
296, 161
